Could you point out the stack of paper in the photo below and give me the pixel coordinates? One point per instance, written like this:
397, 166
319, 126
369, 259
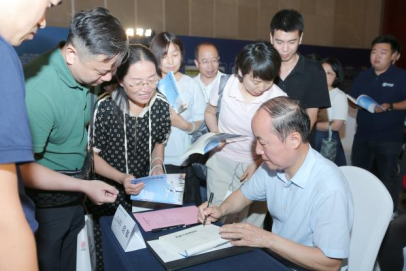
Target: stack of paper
167, 217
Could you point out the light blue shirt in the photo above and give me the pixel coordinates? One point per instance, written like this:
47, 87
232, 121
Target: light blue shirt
314, 208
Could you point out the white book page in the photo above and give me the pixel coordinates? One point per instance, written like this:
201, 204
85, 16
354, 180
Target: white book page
168, 255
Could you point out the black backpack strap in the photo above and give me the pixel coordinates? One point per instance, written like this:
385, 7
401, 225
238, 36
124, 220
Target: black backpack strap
223, 81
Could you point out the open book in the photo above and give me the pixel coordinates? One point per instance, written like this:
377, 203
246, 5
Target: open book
365, 102
166, 188
210, 141
193, 240
168, 87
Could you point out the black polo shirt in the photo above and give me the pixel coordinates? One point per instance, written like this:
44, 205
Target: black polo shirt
307, 83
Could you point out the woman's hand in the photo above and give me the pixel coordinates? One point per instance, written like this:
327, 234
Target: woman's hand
157, 170
250, 170
130, 188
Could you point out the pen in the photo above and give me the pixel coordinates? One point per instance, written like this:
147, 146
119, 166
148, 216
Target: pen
168, 228
208, 204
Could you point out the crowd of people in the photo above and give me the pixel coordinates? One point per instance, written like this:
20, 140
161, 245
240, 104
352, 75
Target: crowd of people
70, 147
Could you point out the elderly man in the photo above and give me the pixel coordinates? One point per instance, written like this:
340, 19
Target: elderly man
307, 195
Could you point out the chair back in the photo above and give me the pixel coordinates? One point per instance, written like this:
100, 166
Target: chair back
373, 209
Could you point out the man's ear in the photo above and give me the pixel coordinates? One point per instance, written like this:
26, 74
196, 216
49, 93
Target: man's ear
197, 63
294, 140
300, 39
271, 38
71, 54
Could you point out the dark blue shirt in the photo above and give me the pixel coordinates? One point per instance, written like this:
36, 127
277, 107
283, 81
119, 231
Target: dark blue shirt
388, 87
15, 136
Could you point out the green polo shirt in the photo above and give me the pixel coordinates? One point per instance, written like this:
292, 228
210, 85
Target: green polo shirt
59, 111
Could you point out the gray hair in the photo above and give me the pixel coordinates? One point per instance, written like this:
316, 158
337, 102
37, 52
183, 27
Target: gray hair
287, 117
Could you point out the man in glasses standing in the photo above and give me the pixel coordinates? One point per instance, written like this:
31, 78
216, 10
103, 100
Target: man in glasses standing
207, 61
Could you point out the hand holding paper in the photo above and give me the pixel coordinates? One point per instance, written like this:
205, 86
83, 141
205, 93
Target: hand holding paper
130, 187
365, 102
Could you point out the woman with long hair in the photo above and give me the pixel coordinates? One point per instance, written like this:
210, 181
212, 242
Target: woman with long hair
336, 115
169, 52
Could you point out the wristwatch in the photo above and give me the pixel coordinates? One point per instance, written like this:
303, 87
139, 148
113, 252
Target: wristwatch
391, 106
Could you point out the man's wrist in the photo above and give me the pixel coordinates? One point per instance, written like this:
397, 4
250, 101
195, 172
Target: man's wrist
83, 186
391, 106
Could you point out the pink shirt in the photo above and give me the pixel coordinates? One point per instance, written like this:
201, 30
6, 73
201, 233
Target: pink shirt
235, 118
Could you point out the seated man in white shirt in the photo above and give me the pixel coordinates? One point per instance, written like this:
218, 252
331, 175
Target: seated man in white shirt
307, 195
207, 61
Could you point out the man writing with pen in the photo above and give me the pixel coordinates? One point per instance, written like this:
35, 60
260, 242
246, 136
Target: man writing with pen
307, 195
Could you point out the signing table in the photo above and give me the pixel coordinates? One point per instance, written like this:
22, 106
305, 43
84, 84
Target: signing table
116, 259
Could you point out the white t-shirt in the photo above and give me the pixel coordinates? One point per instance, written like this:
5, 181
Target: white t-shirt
339, 105
236, 116
207, 89
179, 140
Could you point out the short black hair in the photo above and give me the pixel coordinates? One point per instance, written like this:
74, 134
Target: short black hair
390, 39
259, 58
287, 20
160, 44
337, 68
98, 32
205, 43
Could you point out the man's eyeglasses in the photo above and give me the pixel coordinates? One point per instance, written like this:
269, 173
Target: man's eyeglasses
138, 84
206, 62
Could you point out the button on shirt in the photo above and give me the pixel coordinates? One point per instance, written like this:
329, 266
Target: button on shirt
314, 208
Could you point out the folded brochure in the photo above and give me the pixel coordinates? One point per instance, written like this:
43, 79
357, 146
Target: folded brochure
365, 102
168, 87
210, 141
166, 188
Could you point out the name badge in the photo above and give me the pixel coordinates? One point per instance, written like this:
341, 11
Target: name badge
126, 231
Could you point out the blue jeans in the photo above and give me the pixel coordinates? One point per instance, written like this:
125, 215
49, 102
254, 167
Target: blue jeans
386, 155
